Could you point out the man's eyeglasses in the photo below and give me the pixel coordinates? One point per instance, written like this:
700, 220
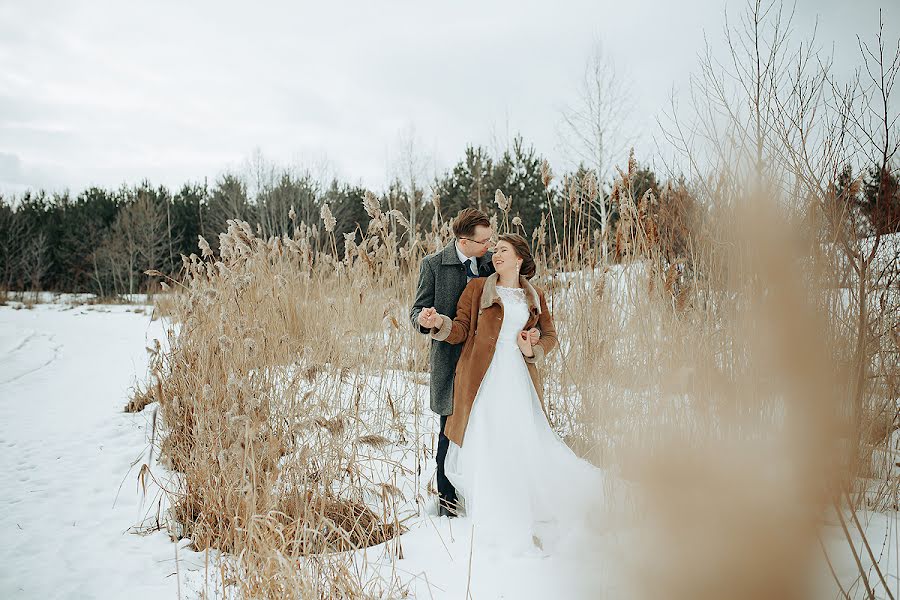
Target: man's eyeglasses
481, 243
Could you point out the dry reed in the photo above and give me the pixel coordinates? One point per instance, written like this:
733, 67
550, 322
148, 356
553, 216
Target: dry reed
705, 358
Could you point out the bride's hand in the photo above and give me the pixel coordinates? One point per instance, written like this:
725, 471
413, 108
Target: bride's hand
524, 344
534, 335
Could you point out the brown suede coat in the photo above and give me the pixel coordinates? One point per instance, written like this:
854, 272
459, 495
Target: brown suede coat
479, 315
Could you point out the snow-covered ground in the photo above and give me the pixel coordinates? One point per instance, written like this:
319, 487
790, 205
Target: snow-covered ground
68, 479
70, 497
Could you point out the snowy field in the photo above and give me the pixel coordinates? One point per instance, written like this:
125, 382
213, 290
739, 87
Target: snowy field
70, 499
68, 485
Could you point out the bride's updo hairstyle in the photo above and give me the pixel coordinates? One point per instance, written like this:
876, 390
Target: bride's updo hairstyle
520, 246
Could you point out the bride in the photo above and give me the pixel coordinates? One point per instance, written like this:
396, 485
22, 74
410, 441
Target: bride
521, 486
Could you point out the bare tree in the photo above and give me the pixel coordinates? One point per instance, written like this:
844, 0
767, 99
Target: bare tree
731, 129
136, 242
259, 172
758, 54
151, 232
876, 121
35, 260
592, 128
411, 171
876, 134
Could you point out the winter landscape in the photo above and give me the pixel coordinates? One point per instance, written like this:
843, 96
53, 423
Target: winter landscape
217, 388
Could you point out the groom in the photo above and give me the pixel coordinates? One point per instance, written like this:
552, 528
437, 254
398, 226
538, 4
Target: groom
442, 278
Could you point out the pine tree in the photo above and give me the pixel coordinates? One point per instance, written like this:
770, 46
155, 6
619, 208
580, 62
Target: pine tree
476, 178
469, 184
880, 201
521, 173
227, 200
186, 223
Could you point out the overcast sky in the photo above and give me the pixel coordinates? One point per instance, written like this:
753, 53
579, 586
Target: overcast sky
174, 91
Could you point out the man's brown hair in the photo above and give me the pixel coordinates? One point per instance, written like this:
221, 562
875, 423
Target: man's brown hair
467, 220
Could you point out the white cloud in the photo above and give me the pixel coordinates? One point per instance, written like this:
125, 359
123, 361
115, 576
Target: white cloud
106, 92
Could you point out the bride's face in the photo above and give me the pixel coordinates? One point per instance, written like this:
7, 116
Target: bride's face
505, 259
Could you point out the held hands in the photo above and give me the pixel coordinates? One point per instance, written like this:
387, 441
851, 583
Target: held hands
430, 318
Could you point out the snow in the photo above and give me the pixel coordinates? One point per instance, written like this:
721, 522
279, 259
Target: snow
883, 535
68, 482
73, 515
73, 299
437, 554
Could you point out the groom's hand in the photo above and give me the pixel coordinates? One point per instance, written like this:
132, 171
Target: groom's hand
428, 317
534, 335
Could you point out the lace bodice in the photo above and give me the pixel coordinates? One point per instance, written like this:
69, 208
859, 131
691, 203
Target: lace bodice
515, 313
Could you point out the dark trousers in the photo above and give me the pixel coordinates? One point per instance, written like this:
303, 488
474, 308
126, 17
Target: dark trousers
445, 488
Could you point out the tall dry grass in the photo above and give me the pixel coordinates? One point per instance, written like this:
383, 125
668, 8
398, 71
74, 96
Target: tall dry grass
722, 385
717, 384
287, 377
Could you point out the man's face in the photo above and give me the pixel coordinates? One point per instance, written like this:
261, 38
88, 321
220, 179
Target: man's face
480, 242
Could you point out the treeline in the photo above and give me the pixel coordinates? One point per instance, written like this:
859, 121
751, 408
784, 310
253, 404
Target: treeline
102, 240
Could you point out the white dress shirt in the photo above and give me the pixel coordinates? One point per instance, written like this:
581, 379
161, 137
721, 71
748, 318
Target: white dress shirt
462, 257
464, 260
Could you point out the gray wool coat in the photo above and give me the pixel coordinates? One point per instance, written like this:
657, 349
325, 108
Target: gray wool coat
442, 279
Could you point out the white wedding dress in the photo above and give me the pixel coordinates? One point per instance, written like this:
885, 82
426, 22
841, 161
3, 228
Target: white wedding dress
518, 482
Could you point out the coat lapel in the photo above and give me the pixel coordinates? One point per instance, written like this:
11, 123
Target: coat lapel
448, 254
489, 294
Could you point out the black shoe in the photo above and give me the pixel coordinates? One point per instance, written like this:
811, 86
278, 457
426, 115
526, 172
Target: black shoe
445, 511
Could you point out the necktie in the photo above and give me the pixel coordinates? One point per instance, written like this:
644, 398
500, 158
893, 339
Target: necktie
472, 269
